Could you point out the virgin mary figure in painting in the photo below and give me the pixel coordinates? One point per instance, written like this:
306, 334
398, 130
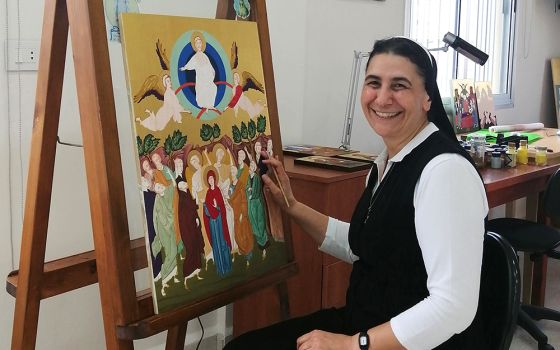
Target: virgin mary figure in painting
164, 243
255, 204
216, 226
223, 182
204, 82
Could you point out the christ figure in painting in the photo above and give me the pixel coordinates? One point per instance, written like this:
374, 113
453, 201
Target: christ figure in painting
204, 83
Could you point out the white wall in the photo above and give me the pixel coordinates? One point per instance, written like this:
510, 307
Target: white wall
312, 43
335, 28
5, 249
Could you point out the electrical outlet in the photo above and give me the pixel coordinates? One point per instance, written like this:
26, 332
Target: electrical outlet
22, 55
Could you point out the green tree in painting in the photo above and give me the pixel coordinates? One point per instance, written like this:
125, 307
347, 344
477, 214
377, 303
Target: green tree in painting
261, 124
174, 142
210, 133
146, 146
216, 131
244, 132
252, 129
236, 133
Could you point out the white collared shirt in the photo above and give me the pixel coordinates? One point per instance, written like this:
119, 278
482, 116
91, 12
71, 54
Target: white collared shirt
450, 207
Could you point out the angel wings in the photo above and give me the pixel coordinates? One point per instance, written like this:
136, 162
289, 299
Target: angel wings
160, 87
154, 84
242, 83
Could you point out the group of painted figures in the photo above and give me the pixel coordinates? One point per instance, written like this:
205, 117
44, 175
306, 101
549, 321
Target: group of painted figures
466, 116
223, 200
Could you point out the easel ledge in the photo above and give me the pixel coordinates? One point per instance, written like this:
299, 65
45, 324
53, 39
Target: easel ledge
127, 314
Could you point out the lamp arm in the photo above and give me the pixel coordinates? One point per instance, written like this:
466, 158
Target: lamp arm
351, 102
443, 48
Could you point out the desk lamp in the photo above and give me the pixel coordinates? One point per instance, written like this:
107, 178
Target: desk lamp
449, 39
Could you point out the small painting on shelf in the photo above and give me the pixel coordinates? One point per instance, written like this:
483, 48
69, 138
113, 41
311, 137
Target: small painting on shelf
301, 150
555, 66
333, 163
485, 103
465, 117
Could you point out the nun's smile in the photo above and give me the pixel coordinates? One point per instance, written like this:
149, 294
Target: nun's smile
394, 100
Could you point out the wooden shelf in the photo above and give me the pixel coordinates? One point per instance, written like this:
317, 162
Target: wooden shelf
76, 271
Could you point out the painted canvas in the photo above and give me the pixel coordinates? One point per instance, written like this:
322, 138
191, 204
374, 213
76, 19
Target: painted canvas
200, 118
465, 118
333, 163
555, 67
485, 104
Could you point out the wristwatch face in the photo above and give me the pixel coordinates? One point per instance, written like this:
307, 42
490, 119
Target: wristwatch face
363, 340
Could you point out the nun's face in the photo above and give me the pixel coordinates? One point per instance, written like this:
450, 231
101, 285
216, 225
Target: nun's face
394, 100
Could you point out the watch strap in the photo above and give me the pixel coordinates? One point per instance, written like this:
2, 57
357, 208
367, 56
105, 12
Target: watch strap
363, 341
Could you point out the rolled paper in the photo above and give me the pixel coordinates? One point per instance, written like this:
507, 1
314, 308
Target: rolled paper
516, 127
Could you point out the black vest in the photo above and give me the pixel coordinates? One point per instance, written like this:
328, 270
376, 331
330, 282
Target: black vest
390, 276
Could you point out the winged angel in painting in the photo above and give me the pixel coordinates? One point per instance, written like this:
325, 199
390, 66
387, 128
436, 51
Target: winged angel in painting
241, 84
159, 86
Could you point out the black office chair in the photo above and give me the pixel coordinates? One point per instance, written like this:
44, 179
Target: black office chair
500, 291
538, 240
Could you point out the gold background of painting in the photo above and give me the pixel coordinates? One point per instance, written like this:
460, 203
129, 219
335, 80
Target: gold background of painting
141, 32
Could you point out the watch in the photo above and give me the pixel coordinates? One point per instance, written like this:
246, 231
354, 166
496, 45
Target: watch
363, 341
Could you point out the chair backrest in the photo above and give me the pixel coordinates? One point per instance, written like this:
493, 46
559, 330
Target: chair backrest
551, 199
500, 290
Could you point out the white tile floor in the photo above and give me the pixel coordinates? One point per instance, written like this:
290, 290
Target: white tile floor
522, 340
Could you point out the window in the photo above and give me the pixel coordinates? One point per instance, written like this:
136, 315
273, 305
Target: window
487, 24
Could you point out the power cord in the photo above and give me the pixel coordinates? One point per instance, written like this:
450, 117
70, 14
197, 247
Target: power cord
202, 336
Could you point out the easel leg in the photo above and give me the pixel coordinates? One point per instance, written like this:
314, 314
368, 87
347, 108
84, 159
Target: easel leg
176, 337
41, 169
103, 168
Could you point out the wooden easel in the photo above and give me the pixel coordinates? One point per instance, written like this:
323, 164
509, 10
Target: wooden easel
127, 315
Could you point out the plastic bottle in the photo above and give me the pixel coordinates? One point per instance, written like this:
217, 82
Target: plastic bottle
522, 152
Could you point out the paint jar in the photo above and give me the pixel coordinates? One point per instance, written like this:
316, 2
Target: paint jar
512, 154
505, 158
496, 161
478, 149
540, 155
522, 152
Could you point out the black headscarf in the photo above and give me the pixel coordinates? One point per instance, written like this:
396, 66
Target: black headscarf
427, 68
